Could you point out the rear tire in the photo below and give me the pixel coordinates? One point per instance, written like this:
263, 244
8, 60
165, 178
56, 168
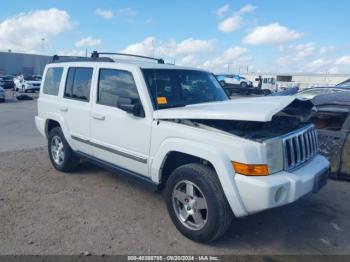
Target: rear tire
61, 154
266, 92
201, 213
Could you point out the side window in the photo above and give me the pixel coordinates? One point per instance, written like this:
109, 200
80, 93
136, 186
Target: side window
78, 83
113, 84
52, 80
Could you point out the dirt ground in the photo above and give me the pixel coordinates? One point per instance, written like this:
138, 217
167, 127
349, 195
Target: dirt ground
43, 211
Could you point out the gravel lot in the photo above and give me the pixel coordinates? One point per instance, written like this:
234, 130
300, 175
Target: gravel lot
43, 211
17, 127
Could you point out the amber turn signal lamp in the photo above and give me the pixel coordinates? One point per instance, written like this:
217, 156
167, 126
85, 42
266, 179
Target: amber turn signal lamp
250, 170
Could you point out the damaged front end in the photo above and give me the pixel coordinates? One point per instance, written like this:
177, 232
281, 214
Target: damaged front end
289, 137
295, 116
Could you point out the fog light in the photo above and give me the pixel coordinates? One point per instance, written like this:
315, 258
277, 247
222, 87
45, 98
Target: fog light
280, 194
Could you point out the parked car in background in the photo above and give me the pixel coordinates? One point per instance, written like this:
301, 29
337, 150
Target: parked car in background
227, 79
2, 94
332, 119
345, 84
27, 83
312, 92
286, 92
6, 82
234, 84
269, 83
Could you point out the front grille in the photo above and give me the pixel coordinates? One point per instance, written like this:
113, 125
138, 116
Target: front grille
299, 147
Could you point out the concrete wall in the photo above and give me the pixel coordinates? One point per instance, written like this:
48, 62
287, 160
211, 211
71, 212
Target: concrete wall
17, 63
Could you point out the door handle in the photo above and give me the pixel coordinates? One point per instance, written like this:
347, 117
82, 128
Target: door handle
64, 109
99, 117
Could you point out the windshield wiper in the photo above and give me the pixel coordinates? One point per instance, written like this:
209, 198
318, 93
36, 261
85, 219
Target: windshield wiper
172, 106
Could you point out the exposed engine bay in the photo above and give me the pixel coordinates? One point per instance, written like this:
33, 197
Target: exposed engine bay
295, 116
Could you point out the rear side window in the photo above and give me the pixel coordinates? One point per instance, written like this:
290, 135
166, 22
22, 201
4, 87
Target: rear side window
52, 80
78, 83
113, 84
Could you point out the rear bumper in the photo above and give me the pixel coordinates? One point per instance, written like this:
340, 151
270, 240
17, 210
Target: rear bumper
260, 193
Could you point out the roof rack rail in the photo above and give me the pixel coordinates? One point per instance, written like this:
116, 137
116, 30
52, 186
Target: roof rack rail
59, 58
96, 55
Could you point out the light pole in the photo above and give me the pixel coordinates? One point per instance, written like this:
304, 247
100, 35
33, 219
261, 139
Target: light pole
43, 44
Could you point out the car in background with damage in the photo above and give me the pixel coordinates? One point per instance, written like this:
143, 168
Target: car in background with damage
332, 120
310, 93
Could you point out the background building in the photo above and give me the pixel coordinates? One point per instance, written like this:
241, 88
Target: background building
302, 80
18, 63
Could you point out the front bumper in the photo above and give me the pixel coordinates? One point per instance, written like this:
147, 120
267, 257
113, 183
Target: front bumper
260, 193
32, 88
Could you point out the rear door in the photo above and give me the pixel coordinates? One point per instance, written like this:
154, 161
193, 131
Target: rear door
76, 106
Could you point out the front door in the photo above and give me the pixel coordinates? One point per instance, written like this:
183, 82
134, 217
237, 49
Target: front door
120, 138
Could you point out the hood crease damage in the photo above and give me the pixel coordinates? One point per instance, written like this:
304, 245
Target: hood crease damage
293, 116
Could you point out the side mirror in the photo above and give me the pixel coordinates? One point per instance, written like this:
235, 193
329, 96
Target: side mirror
130, 105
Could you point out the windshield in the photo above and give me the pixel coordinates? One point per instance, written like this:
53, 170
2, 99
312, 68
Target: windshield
174, 87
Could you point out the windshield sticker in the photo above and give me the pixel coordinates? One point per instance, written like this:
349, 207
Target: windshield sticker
161, 100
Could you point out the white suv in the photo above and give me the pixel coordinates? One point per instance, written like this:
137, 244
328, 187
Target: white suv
174, 128
27, 83
237, 80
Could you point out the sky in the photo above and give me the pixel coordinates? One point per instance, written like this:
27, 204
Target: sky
299, 36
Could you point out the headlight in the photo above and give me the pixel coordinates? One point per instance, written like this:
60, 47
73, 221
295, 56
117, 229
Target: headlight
274, 154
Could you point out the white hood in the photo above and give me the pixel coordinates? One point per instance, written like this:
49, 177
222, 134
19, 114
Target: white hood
260, 109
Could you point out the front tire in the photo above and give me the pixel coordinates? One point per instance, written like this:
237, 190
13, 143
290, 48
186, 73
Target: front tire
243, 85
197, 204
61, 154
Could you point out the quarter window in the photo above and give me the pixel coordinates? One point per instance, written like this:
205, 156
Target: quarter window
52, 80
113, 84
78, 83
